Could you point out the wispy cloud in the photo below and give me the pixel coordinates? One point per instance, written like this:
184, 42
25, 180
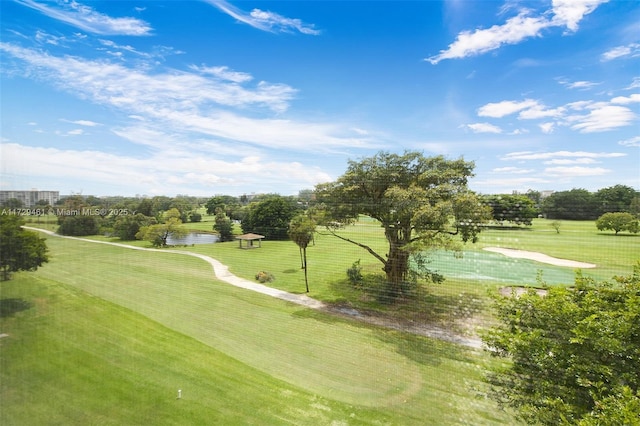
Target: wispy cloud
583, 116
576, 171
635, 141
581, 85
483, 128
87, 19
265, 20
503, 108
212, 102
187, 168
631, 50
525, 25
530, 155
512, 170
87, 123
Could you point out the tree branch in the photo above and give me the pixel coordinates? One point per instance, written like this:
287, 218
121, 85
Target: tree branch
364, 246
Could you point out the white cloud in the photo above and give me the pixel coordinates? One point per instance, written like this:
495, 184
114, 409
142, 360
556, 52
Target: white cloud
117, 85
87, 19
201, 175
635, 141
577, 171
602, 119
481, 41
540, 111
566, 13
566, 161
500, 109
87, 123
224, 73
547, 127
512, 170
484, 128
583, 85
265, 20
635, 83
529, 155
570, 12
626, 99
183, 102
584, 116
631, 50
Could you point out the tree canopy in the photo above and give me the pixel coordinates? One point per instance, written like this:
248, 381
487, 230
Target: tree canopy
576, 204
270, 217
20, 249
301, 230
518, 209
575, 353
421, 202
617, 222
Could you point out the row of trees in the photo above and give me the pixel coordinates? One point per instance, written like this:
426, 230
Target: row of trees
580, 204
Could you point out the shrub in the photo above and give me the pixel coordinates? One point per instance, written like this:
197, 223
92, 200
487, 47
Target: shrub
354, 273
265, 277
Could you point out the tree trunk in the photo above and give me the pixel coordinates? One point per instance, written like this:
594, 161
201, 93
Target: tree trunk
396, 266
306, 280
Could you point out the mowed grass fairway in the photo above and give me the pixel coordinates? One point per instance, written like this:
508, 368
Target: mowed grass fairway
113, 333
329, 257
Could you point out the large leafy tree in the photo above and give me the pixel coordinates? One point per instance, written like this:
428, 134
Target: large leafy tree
127, 226
421, 202
617, 198
158, 234
270, 217
575, 353
224, 226
301, 230
518, 209
20, 249
576, 204
617, 222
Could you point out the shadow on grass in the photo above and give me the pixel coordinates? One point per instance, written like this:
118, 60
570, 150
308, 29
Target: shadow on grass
9, 307
418, 305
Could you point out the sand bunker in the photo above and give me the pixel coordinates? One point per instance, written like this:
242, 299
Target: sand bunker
539, 257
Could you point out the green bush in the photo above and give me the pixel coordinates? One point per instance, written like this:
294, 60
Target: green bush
354, 273
265, 277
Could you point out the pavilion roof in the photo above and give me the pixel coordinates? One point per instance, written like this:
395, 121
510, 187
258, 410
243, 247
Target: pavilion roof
250, 237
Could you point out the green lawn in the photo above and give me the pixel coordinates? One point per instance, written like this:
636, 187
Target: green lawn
113, 333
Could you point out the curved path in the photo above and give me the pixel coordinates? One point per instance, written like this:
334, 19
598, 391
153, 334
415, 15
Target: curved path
222, 273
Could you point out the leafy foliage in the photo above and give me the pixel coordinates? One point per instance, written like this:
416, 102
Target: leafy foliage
421, 202
20, 250
518, 209
158, 234
354, 273
78, 225
270, 217
127, 226
576, 204
301, 231
224, 226
575, 353
617, 222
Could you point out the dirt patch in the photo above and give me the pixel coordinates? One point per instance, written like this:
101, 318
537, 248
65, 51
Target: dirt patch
421, 328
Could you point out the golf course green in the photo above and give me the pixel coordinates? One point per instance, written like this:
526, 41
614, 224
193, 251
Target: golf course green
110, 335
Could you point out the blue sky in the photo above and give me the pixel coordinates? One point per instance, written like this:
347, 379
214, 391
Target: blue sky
238, 97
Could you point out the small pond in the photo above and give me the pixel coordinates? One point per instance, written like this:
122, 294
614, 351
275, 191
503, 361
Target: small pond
193, 238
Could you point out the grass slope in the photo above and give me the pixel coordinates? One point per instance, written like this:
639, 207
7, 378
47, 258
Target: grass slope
125, 329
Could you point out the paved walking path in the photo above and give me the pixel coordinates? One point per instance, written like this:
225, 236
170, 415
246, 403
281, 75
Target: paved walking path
222, 273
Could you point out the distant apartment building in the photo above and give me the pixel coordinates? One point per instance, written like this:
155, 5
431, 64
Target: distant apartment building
30, 198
